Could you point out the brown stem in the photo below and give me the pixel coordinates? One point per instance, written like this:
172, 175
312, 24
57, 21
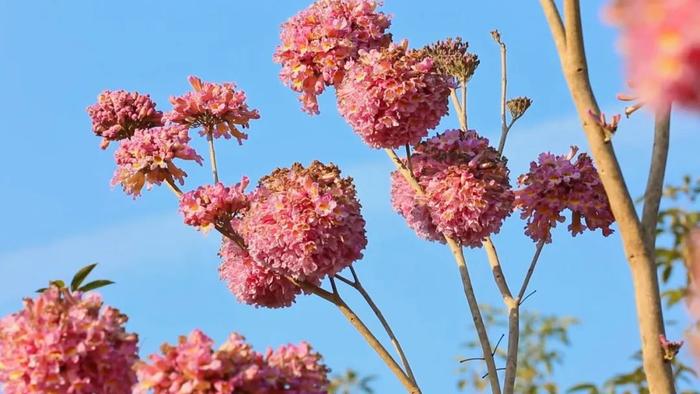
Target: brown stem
357, 285
458, 108
504, 84
212, 154
655, 183
530, 270
458, 254
464, 105
639, 256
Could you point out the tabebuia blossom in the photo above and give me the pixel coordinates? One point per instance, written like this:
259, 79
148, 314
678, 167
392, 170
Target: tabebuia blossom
118, 114
193, 366
301, 368
318, 41
556, 183
392, 96
218, 109
253, 283
147, 158
305, 222
660, 40
66, 342
214, 204
467, 194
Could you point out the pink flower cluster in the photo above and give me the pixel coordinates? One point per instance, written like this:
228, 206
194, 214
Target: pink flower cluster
251, 282
554, 184
117, 114
147, 158
63, 342
217, 108
318, 41
467, 191
661, 42
392, 96
214, 204
193, 366
305, 222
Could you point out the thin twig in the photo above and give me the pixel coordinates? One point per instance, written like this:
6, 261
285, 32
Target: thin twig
408, 159
526, 297
464, 105
457, 106
357, 285
504, 84
655, 183
212, 154
531, 269
171, 184
495, 348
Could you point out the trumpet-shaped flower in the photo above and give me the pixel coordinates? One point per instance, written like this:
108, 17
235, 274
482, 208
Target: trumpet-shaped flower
118, 114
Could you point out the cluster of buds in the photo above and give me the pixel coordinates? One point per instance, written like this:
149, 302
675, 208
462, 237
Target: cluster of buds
451, 58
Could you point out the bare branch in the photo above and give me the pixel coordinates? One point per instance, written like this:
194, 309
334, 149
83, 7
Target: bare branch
657, 169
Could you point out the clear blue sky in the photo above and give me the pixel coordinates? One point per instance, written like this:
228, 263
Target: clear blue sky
60, 213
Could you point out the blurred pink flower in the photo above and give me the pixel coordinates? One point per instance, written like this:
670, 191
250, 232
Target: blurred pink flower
318, 41
217, 108
63, 342
214, 204
147, 158
193, 366
467, 192
392, 96
555, 184
118, 114
300, 369
305, 222
251, 282
660, 40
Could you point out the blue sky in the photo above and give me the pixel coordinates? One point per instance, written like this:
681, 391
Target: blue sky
61, 214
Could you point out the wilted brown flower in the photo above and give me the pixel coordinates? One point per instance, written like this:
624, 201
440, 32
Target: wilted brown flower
451, 58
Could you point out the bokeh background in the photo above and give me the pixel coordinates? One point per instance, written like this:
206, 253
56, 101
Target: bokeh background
59, 212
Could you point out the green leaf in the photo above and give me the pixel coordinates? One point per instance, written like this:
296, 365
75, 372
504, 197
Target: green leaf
590, 388
96, 284
58, 283
80, 276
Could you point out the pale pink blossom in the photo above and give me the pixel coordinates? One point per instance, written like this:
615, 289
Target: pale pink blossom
66, 342
193, 366
147, 158
217, 108
118, 114
300, 369
318, 41
305, 222
251, 282
556, 183
660, 40
392, 96
467, 191
214, 204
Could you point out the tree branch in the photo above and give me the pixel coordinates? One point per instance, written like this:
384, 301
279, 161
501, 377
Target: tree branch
641, 262
655, 183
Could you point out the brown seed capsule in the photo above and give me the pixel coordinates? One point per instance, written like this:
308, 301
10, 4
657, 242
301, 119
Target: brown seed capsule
518, 106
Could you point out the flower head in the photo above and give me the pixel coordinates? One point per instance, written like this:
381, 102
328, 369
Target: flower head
467, 192
251, 282
193, 366
216, 108
556, 183
214, 204
147, 158
318, 41
451, 58
660, 40
392, 96
63, 342
305, 222
118, 114
300, 369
